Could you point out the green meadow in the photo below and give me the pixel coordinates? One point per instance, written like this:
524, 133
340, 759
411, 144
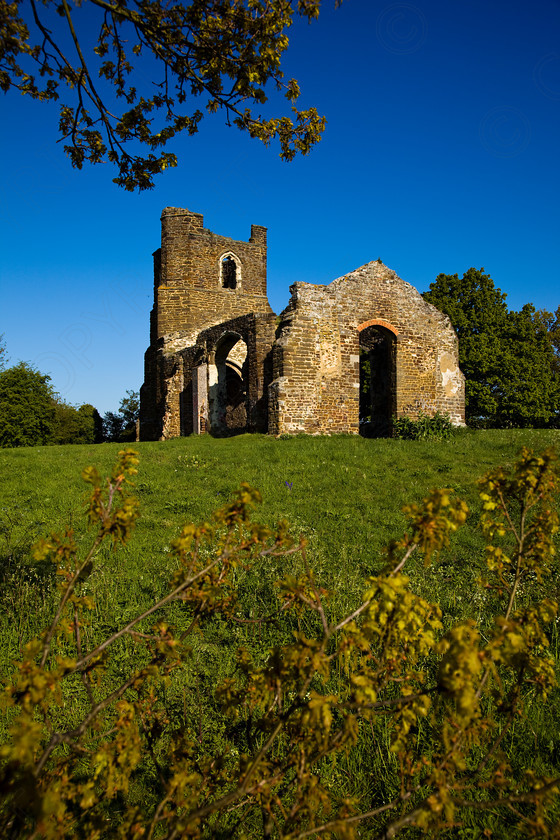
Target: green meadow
343, 494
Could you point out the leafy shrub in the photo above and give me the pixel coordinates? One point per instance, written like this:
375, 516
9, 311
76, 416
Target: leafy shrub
99, 751
437, 427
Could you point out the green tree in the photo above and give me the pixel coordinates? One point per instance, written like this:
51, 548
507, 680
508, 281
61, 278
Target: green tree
129, 410
551, 323
76, 425
121, 425
529, 390
554, 333
204, 56
26, 406
507, 357
112, 426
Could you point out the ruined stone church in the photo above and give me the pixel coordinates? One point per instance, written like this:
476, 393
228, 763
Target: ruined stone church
346, 357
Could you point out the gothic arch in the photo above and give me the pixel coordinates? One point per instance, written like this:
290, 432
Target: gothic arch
227, 381
229, 271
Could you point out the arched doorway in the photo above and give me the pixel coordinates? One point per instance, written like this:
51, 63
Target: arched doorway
227, 393
378, 379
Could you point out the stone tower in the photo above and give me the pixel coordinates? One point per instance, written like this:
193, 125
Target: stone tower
200, 279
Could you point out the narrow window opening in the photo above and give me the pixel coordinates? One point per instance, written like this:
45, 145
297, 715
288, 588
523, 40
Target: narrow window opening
229, 273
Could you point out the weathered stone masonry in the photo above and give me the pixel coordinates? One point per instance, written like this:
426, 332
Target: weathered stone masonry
220, 361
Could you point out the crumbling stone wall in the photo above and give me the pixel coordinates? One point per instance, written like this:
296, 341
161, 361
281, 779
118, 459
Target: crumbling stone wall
316, 384
220, 361
250, 338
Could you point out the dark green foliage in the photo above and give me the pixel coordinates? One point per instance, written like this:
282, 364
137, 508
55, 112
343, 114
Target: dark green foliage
530, 384
112, 426
550, 322
478, 312
31, 413
121, 426
554, 332
3, 353
508, 358
76, 425
26, 406
129, 410
438, 427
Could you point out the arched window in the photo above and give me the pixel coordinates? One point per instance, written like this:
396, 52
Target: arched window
230, 271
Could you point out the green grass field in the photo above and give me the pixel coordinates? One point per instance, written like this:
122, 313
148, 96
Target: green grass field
344, 494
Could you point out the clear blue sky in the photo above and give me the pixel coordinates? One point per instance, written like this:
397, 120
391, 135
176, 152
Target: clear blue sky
441, 152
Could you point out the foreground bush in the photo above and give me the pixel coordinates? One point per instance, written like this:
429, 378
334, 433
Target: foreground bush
99, 752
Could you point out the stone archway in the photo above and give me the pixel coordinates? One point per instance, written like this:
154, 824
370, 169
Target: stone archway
378, 378
227, 392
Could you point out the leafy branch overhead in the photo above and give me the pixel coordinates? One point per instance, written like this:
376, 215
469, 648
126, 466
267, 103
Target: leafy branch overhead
202, 56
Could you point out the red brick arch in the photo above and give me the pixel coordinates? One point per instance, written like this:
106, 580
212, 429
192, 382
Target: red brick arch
378, 322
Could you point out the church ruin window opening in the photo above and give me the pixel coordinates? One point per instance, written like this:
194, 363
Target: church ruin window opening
230, 271
377, 381
191, 361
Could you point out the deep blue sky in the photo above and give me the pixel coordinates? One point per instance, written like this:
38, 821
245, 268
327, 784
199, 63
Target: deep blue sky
441, 152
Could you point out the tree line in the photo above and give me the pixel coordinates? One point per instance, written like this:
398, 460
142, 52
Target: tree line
33, 414
511, 360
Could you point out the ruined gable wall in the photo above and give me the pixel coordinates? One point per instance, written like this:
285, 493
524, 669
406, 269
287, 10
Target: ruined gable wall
308, 357
316, 373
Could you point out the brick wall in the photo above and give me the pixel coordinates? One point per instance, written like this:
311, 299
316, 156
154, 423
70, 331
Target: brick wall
188, 294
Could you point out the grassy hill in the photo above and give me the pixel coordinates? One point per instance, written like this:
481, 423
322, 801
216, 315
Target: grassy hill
344, 494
